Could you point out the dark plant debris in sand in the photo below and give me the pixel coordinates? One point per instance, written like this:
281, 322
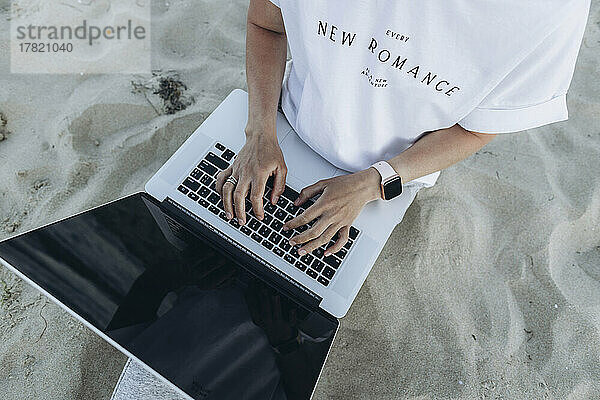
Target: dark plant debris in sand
169, 88
3, 131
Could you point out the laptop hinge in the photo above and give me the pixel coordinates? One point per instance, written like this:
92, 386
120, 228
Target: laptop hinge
311, 299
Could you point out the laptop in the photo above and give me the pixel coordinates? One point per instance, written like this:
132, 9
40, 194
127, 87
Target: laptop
213, 309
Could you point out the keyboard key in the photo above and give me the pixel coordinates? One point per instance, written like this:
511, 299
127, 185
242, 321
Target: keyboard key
318, 252
285, 246
280, 214
221, 205
278, 251
183, 189
220, 146
333, 261
270, 208
292, 209
290, 193
348, 244
307, 259
282, 202
256, 237
353, 233
254, 224
214, 198
288, 234
213, 186
223, 216
267, 219
318, 265
203, 203
300, 266
214, 210
289, 259
191, 184
342, 253
328, 272
206, 167
196, 174
206, 180
288, 218
276, 224
234, 222
216, 160
193, 196
294, 251
204, 191
275, 237
245, 230
228, 155
265, 231
267, 244
302, 228
312, 273
322, 281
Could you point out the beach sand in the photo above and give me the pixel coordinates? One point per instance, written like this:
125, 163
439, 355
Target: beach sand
490, 287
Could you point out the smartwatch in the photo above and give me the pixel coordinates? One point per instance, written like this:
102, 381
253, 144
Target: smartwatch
391, 183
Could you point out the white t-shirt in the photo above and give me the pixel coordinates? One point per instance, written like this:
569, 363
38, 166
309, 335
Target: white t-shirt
370, 77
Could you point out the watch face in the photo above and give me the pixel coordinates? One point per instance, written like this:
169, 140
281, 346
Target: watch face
392, 188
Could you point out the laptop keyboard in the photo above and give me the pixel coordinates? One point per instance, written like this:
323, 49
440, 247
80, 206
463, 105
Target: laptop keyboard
200, 187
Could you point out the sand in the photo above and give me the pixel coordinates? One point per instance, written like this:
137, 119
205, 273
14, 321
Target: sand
490, 287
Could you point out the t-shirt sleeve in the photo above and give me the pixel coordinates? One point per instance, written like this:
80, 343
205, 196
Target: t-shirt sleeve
276, 2
534, 92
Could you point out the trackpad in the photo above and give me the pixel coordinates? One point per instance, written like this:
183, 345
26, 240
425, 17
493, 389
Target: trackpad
303, 162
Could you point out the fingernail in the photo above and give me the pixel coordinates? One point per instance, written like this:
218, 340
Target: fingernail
292, 243
260, 217
302, 252
228, 215
275, 199
327, 253
296, 202
241, 221
285, 228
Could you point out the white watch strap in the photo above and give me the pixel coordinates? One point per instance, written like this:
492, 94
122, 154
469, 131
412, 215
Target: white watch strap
385, 170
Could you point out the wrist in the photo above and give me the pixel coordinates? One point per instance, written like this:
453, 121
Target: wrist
260, 132
372, 184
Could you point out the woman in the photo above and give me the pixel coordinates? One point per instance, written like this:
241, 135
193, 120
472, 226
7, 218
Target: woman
412, 85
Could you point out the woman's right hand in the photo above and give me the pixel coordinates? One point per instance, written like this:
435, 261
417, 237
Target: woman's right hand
260, 158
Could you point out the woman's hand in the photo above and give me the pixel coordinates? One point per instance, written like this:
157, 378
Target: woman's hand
260, 158
342, 198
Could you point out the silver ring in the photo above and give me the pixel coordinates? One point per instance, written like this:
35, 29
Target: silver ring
232, 180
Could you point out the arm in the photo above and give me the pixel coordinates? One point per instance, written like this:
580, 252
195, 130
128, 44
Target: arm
266, 51
343, 197
261, 157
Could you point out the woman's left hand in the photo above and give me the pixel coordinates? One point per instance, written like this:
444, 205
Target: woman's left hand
342, 198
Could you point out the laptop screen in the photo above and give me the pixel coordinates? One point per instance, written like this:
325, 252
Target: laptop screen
177, 303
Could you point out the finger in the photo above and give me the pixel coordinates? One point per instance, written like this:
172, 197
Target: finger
311, 213
309, 192
221, 177
320, 241
340, 242
227, 196
278, 184
312, 233
239, 199
256, 196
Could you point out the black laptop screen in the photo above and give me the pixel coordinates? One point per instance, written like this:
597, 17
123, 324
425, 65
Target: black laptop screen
176, 302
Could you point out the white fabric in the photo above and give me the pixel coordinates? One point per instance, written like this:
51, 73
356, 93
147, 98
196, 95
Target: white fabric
135, 383
371, 77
